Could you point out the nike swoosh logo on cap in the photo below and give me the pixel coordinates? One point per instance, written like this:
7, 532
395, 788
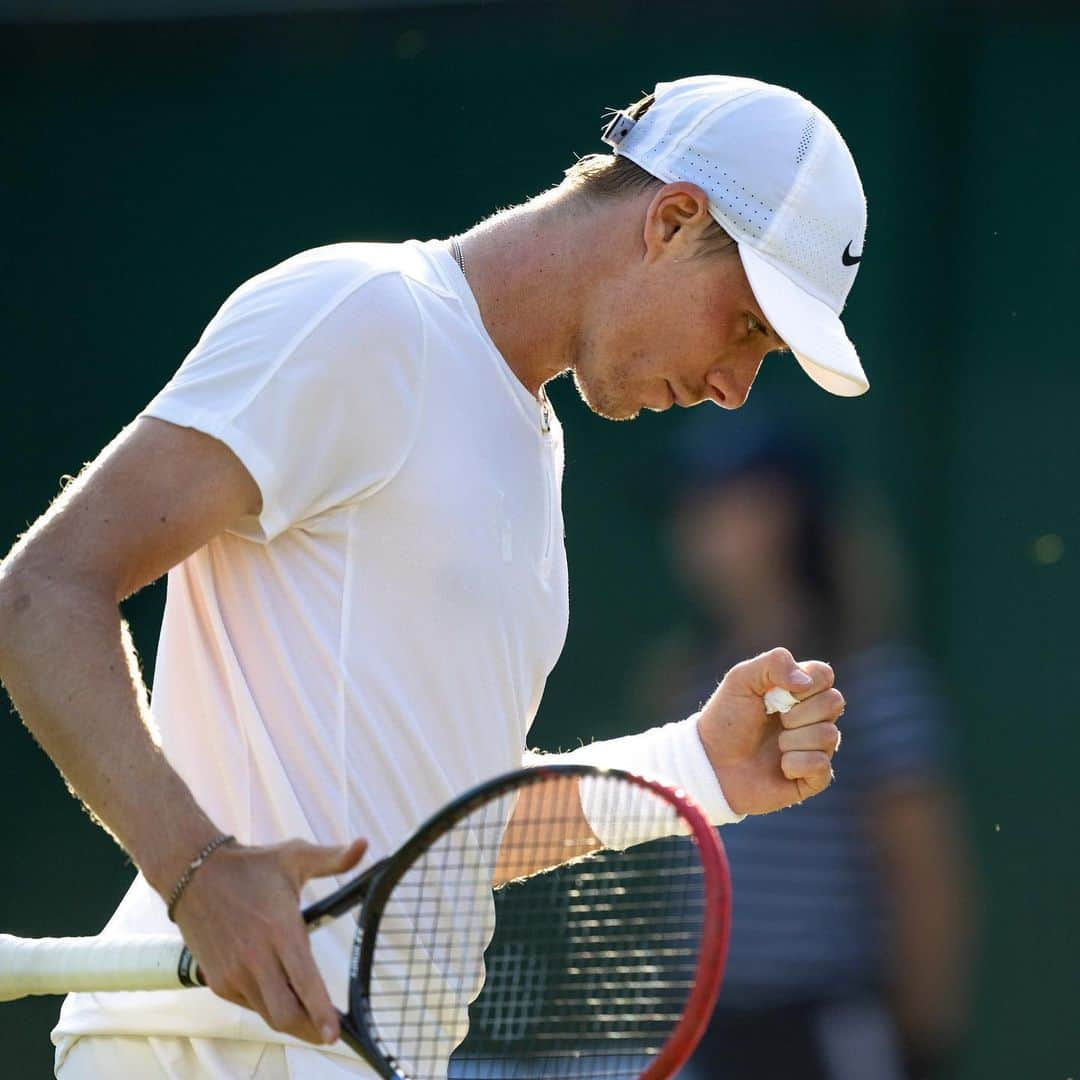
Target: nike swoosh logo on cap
849, 259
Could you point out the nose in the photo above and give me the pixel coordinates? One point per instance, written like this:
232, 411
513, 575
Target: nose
728, 383
726, 389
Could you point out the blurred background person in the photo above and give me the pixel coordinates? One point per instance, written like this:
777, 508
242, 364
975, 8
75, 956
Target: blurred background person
853, 913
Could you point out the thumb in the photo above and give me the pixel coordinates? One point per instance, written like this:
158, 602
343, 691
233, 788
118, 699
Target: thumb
777, 668
315, 860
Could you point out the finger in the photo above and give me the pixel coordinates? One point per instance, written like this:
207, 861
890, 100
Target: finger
284, 1010
824, 737
229, 992
808, 787
828, 705
778, 669
313, 860
810, 769
255, 999
310, 990
258, 979
821, 676
238, 986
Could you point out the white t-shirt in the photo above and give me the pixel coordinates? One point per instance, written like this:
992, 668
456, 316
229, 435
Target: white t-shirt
378, 639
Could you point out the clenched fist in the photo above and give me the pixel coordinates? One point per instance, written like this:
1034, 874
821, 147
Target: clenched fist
766, 761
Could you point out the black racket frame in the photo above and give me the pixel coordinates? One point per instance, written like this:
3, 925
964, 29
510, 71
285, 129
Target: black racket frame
372, 889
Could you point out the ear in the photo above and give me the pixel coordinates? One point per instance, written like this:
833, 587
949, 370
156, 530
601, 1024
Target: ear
674, 220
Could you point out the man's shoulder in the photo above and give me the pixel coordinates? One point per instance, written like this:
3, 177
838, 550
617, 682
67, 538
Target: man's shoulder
345, 267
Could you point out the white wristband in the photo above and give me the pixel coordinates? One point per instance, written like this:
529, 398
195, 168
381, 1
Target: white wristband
672, 754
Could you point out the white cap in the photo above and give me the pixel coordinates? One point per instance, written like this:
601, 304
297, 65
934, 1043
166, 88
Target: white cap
782, 182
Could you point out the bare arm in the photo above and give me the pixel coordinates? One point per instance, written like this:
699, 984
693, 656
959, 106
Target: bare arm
156, 494
762, 761
547, 829
926, 870
63, 656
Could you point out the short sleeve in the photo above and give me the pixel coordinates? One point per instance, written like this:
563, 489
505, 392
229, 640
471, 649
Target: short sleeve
312, 374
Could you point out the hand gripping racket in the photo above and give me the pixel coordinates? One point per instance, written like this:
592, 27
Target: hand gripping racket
503, 939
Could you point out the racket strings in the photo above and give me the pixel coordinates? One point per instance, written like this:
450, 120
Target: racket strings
573, 972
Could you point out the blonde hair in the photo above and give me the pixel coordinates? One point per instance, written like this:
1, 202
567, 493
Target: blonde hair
600, 177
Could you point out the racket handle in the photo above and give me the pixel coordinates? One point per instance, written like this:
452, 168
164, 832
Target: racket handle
64, 965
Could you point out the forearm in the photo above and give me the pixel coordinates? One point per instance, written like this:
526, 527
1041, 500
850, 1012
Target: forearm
556, 822
546, 829
67, 663
673, 753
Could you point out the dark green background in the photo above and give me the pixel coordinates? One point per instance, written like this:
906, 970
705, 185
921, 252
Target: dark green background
147, 169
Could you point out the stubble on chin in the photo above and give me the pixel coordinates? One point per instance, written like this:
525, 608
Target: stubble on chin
607, 399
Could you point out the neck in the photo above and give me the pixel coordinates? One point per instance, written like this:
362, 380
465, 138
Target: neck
527, 267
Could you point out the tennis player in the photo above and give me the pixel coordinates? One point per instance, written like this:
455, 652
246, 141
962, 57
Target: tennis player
353, 482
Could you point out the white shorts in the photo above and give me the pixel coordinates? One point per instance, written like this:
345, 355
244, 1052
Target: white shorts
141, 1057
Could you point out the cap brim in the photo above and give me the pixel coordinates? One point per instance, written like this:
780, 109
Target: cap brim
809, 327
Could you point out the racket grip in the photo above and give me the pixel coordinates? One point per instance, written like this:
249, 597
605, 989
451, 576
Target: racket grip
64, 965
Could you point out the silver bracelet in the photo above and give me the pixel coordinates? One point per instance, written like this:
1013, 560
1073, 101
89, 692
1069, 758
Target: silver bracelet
189, 873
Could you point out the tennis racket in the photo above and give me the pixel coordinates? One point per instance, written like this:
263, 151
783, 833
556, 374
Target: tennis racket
502, 940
